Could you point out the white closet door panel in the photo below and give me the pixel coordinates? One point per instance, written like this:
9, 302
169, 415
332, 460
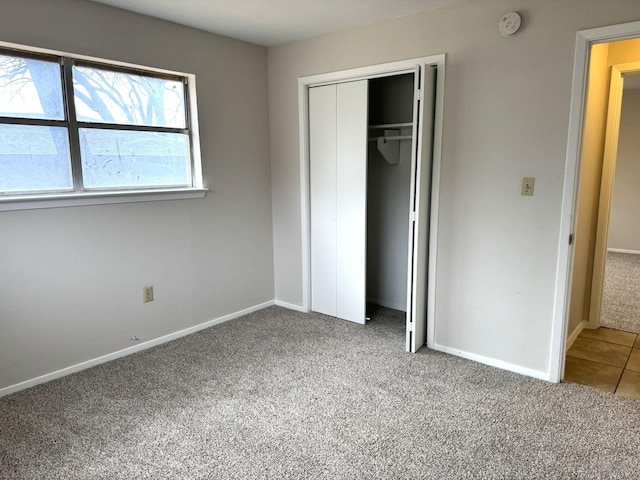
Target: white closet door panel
419, 256
322, 158
352, 107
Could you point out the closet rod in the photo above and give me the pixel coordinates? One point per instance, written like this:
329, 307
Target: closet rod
392, 125
394, 137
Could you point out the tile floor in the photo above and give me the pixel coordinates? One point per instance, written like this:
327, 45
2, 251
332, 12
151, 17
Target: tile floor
606, 359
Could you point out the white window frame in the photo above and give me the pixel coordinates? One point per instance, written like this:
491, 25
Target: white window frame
97, 197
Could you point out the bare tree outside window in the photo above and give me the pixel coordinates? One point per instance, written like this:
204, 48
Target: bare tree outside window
132, 129
114, 97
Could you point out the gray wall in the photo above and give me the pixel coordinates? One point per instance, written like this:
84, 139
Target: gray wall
71, 278
506, 116
624, 227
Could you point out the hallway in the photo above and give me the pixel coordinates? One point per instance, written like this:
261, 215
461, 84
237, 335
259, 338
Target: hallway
606, 359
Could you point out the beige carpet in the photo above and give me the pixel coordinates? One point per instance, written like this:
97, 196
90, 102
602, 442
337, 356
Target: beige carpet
621, 292
282, 395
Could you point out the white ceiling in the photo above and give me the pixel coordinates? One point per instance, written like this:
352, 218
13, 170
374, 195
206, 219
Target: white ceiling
273, 22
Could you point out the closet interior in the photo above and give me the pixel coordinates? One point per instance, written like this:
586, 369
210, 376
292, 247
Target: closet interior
390, 127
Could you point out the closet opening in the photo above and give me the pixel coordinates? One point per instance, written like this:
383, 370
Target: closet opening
389, 148
370, 156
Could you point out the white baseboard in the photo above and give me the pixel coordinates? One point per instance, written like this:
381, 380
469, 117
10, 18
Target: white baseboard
383, 303
128, 351
492, 362
622, 250
290, 306
576, 331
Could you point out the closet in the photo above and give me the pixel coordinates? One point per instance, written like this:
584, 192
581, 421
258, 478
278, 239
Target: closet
370, 150
390, 121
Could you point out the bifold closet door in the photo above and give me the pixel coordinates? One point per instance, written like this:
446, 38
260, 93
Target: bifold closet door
351, 191
323, 200
420, 200
338, 189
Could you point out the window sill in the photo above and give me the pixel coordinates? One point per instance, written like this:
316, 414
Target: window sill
98, 198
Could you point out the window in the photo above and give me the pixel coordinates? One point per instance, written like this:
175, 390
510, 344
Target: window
77, 128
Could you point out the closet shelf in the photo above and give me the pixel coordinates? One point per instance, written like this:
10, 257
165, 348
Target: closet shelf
390, 125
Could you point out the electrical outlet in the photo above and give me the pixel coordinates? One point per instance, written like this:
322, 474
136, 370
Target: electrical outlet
527, 185
147, 294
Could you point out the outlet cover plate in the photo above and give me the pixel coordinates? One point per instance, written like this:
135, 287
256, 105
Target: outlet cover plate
147, 294
528, 184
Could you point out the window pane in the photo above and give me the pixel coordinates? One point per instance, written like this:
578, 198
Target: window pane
34, 158
126, 98
30, 88
127, 159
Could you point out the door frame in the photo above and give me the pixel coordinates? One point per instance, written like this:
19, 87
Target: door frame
606, 186
362, 73
584, 40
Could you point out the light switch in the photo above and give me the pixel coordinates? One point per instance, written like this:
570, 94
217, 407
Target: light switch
527, 185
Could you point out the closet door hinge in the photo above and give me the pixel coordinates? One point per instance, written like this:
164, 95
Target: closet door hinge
419, 95
410, 327
412, 216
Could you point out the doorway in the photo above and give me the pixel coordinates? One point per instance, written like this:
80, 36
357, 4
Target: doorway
609, 64
606, 354
620, 305
342, 218
565, 328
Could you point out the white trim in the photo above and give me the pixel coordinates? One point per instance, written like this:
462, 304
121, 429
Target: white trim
623, 250
98, 198
88, 58
584, 40
372, 71
305, 220
130, 350
393, 305
492, 362
290, 306
576, 331
196, 152
438, 126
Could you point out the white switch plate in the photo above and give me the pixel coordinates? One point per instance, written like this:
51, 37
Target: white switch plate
527, 185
